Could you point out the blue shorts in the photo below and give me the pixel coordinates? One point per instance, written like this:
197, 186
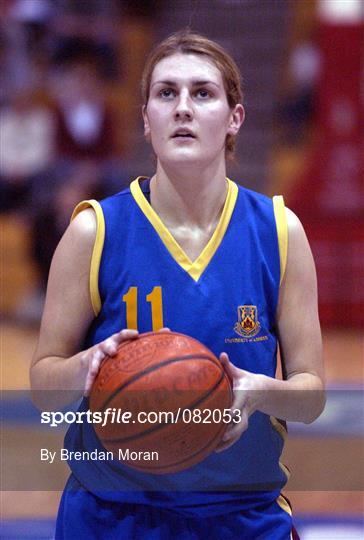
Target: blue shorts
83, 515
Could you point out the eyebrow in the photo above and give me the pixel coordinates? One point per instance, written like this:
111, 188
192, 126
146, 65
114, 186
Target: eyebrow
194, 83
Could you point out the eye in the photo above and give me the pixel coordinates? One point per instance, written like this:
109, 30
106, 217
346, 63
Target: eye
203, 93
167, 93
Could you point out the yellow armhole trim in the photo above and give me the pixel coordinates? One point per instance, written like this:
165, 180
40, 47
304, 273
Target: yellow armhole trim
284, 504
282, 232
281, 430
278, 427
96, 252
285, 470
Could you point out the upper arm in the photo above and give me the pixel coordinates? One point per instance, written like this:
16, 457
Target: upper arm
68, 308
297, 316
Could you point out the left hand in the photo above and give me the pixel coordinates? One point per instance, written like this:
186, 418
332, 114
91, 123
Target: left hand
246, 388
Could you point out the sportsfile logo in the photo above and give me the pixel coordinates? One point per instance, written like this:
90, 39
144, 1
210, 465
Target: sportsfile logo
112, 415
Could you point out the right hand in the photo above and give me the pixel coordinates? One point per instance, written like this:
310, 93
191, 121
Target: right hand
93, 357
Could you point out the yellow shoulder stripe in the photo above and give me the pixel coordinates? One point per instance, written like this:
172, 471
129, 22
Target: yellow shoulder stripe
282, 431
278, 427
285, 470
96, 252
282, 501
282, 232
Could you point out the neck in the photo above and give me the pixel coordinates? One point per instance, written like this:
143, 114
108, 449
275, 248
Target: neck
197, 198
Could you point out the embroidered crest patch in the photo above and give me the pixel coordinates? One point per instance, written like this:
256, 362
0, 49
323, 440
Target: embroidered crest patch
248, 324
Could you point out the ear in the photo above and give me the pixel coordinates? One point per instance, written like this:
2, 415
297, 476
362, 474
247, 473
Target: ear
236, 119
146, 122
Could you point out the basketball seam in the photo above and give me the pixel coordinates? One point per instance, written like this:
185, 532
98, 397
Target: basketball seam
161, 426
154, 335
154, 367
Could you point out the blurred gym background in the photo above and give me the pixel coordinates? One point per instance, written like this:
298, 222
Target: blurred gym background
71, 128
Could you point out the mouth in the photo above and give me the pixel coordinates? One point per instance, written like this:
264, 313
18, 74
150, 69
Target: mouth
183, 134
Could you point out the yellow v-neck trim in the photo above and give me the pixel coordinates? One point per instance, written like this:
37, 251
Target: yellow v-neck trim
197, 267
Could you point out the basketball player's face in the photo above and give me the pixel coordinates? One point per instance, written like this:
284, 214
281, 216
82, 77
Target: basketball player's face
188, 116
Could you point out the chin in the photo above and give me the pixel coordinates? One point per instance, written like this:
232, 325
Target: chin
187, 157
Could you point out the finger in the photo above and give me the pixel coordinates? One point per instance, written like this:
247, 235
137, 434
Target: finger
109, 347
127, 333
123, 335
224, 445
89, 383
224, 358
229, 368
233, 433
95, 360
90, 379
238, 404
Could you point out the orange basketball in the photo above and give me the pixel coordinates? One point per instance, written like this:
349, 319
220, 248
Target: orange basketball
165, 393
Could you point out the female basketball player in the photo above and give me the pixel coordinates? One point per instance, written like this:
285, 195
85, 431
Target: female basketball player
211, 259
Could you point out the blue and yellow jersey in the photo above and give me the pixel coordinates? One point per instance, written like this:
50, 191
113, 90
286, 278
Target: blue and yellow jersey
227, 298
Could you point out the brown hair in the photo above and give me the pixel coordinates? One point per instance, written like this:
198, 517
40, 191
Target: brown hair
188, 42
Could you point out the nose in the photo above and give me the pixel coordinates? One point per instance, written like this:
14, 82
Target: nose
183, 108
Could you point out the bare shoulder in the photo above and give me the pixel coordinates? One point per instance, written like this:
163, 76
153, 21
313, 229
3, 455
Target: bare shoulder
72, 258
297, 314
295, 228
299, 283
78, 240
85, 220
299, 257
83, 226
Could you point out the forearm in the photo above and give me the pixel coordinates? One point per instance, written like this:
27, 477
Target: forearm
301, 398
57, 382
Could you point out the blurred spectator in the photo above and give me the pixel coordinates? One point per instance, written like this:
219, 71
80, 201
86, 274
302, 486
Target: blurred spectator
26, 147
24, 28
296, 108
51, 220
91, 28
34, 16
66, 118
84, 122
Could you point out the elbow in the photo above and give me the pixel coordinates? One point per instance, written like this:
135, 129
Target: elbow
318, 402
45, 400
38, 399
38, 395
34, 393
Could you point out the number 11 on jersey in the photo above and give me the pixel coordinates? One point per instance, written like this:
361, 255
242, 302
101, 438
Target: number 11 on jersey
156, 305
